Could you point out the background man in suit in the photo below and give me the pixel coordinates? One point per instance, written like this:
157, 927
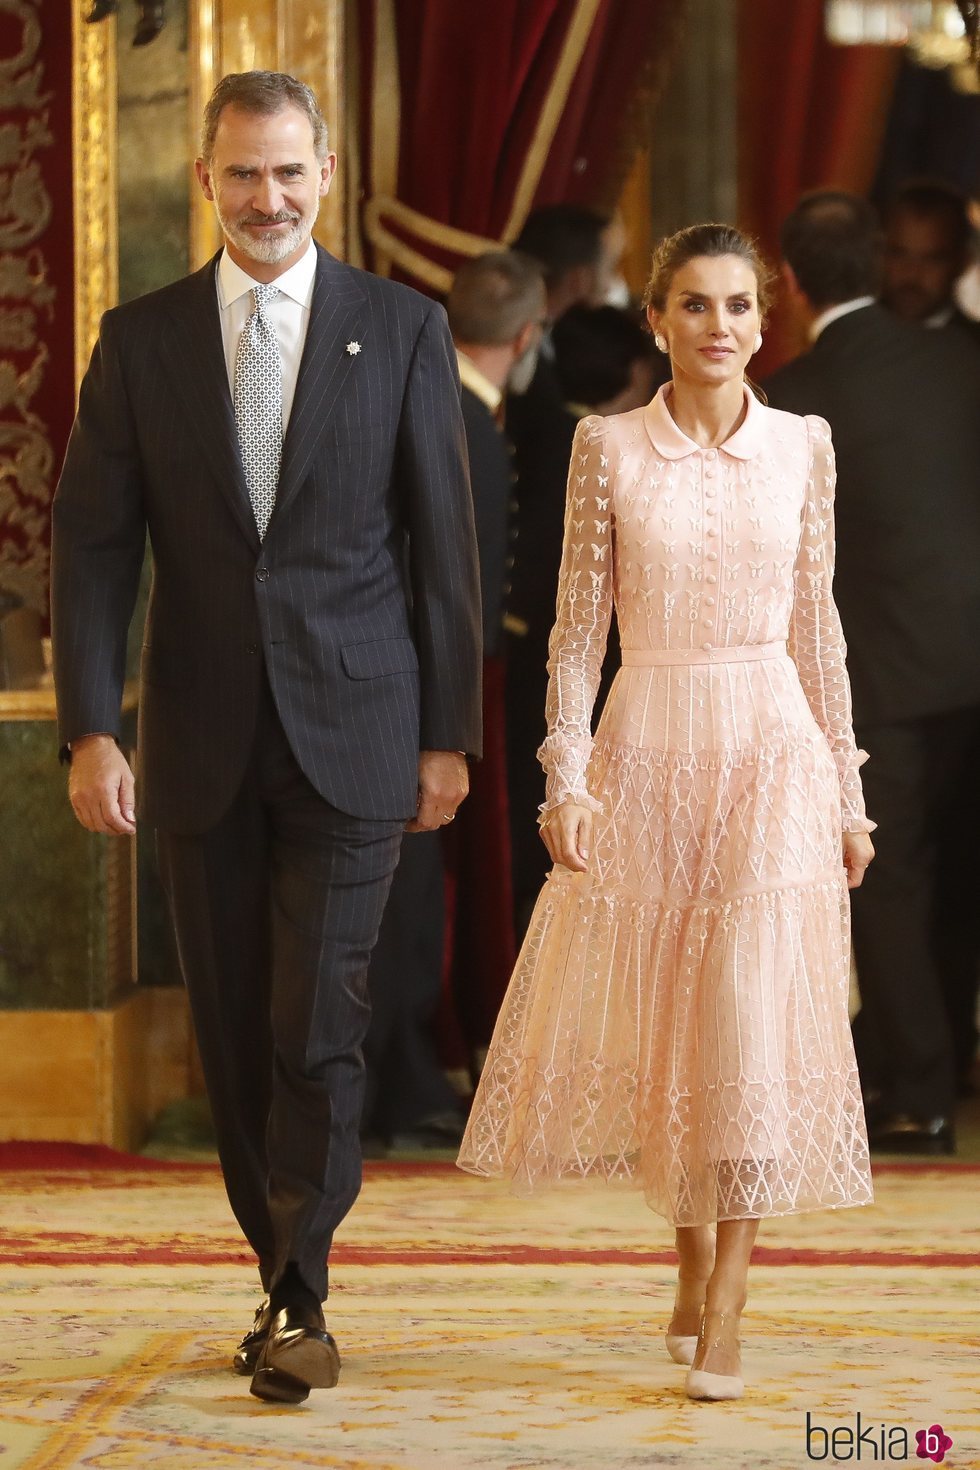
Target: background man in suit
570, 243
904, 408
496, 312
926, 250
311, 665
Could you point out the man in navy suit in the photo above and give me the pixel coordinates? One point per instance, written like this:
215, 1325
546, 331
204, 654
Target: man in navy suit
288, 431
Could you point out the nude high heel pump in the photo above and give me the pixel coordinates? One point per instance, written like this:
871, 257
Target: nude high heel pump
716, 1330
681, 1349
681, 1346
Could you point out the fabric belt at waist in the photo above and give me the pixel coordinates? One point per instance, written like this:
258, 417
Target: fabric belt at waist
744, 653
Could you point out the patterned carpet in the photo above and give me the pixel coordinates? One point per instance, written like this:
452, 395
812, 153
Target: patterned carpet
477, 1330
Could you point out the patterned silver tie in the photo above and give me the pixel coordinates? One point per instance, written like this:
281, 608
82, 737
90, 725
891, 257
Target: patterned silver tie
258, 406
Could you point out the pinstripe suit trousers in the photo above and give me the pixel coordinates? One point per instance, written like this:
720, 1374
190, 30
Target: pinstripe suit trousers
276, 908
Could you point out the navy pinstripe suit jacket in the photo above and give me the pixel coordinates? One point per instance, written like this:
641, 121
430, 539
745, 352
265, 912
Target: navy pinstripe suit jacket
363, 600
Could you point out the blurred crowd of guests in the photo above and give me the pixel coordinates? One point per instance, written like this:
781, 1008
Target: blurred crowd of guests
545, 334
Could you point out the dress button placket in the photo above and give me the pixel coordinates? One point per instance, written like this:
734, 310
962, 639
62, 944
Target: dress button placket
709, 472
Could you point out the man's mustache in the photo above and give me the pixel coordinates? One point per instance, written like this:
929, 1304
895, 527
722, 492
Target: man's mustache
282, 218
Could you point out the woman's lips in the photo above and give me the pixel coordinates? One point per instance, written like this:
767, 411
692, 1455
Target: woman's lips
718, 353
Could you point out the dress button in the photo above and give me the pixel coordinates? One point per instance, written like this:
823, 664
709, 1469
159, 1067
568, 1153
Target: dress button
262, 574
707, 647
712, 556
707, 622
711, 577
709, 602
711, 454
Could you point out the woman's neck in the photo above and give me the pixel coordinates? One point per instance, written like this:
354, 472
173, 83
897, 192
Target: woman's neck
707, 413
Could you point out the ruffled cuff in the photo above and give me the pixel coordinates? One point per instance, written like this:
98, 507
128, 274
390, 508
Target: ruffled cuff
853, 815
566, 762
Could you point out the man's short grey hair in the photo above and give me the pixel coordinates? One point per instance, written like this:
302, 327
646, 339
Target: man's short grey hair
263, 93
494, 297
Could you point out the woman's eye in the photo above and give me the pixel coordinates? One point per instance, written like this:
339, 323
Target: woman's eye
695, 306
740, 306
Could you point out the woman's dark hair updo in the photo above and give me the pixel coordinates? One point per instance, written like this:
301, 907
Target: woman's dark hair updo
696, 242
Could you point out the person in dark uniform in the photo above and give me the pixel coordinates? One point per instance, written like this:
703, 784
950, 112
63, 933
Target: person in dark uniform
496, 314
904, 408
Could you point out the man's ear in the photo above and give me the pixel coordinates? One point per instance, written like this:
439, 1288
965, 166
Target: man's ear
204, 178
327, 170
792, 285
523, 339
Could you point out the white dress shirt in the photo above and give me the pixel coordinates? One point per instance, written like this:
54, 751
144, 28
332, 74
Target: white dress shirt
289, 315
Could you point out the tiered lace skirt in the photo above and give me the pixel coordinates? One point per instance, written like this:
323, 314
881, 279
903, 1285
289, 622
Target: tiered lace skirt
677, 1018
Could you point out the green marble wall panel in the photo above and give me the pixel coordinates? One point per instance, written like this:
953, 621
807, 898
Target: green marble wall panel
60, 946
154, 158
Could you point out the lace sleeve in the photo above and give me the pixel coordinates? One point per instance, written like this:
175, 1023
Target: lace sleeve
578, 639
816, 641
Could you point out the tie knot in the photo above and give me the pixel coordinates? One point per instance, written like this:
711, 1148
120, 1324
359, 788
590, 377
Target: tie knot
264, 294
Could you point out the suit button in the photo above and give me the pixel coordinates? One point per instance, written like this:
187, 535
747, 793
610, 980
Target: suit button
262, 574
251, 648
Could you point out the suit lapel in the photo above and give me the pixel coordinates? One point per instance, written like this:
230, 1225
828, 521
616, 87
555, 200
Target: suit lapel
194, 356
337, 317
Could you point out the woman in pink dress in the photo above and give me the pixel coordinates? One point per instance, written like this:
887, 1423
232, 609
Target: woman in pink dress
678, 1015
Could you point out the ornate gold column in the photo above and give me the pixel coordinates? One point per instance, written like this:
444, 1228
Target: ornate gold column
94, 147
303, 37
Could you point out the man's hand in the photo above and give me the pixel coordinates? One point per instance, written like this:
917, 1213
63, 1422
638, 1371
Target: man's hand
101, 788
443, 782
567, 834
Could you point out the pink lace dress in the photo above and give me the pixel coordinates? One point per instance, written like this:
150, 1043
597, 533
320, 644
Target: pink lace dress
677, 1018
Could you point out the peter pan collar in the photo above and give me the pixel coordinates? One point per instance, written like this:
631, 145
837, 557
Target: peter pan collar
671, 443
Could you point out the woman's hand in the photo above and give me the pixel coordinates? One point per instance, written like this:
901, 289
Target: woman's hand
567, 834
858, 854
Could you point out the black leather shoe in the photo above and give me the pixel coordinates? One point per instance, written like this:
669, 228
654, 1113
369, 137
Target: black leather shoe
251, 1345
297, 1355
901, 1133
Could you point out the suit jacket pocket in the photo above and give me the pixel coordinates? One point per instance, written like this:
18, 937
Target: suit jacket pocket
381, 656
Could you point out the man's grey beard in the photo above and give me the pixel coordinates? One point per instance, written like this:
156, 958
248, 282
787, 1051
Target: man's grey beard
271, 250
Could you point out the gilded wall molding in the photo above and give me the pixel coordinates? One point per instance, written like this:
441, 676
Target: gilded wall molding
96, 204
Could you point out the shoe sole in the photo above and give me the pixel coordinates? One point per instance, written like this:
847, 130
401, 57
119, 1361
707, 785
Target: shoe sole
278, 1388
306, 1363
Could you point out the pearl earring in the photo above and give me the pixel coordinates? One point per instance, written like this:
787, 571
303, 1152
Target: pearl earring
661, 342
757, 344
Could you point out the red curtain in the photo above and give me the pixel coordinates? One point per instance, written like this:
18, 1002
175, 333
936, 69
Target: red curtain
37, 388
499, 107
811, 115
